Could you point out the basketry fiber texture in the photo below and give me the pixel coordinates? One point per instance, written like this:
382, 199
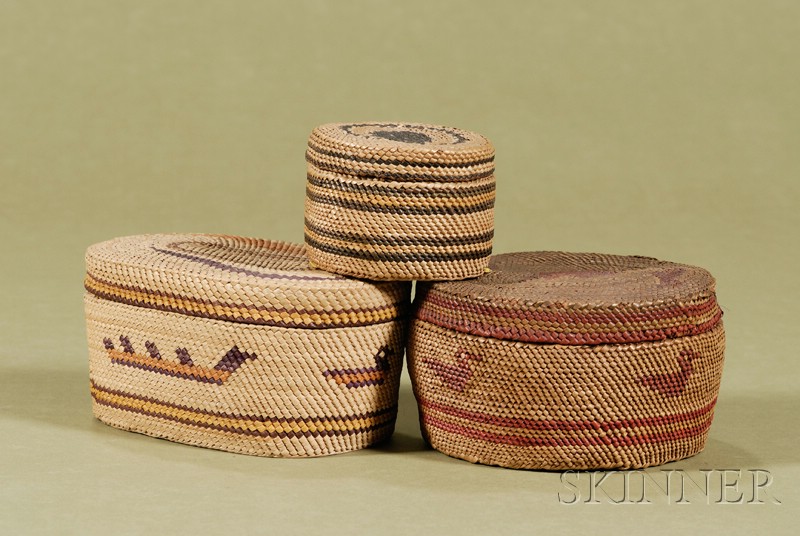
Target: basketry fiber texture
392, 201
569, 361
236, 344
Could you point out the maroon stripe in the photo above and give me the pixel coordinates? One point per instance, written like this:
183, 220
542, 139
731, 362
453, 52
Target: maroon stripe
575, 338
587, 317
566, 315
564, 425
586, 441
578, 321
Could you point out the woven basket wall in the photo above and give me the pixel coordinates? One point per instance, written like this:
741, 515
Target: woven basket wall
569, 361
236, 344
391, 201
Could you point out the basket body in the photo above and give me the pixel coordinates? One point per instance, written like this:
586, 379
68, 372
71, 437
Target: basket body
390, 201
569, 382
234, 344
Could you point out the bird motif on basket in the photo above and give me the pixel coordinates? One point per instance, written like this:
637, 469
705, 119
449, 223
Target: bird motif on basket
362, 377
456, 375
672, 384
185, 368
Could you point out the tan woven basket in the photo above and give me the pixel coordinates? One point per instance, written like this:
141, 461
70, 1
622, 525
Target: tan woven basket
392, 201
236, 344
569, 361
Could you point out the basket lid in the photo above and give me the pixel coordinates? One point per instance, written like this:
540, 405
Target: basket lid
401, 151
575, 299
236, 279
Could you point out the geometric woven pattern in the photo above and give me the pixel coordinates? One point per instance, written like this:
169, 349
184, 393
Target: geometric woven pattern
568, 361
575, 299
236, 344
399, 201
236, 279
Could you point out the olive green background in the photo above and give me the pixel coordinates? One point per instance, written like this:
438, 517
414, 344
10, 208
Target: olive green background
668, 129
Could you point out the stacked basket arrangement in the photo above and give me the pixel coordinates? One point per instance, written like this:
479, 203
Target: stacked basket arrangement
539, 360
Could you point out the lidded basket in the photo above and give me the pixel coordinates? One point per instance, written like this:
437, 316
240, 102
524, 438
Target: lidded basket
236, 344
569, 361
399, 201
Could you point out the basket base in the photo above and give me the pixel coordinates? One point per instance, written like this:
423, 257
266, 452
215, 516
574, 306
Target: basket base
266, 445
563, 458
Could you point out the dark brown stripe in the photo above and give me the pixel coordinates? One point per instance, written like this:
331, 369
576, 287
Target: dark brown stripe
255, 418
246, 431
364, 376
402, 192
355, 380
187, 370
183, 357
199, 376
256, 321
379, 161
411, 256
407, 210
380, 174
389, 413
152, 349
363, 239
229, 268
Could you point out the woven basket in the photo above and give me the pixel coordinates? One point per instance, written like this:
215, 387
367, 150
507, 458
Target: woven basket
393, 201
568, 361
236, 344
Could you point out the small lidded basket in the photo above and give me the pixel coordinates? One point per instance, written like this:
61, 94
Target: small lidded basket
399, 201
568, 361
236, 344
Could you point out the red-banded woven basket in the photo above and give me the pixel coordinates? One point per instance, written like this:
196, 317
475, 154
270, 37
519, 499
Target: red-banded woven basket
569, 361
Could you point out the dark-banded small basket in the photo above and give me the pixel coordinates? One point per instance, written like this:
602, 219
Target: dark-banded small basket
236, 344
569, 361
399, 201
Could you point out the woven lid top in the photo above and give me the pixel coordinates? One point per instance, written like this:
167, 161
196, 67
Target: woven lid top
403, 151
576, 298
236, 279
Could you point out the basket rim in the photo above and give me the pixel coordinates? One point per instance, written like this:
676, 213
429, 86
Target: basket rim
268, 282
572, 306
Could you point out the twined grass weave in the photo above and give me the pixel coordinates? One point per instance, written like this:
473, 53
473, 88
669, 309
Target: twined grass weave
399, 201
236, 344
569, 361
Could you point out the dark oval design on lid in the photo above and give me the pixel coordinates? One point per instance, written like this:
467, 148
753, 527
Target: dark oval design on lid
405, 136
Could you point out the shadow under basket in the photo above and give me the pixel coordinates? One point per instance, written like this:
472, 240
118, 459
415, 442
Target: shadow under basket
568, 361
236, 344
